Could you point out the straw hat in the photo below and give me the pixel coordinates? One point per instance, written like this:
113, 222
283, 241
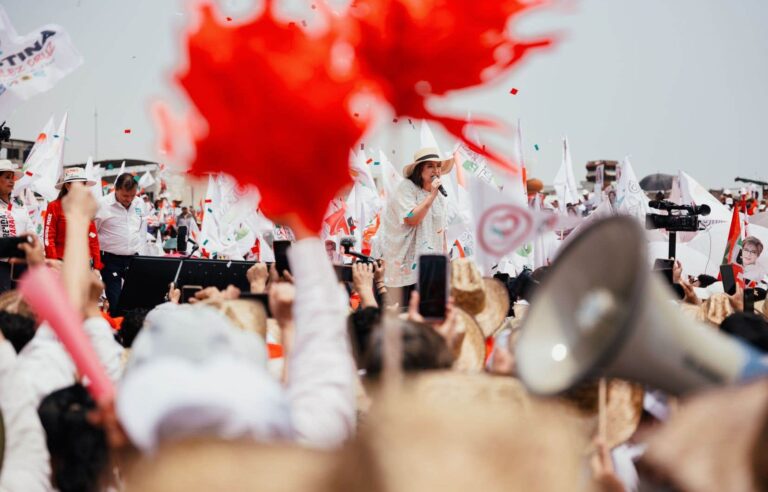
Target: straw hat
471, 356
534, 185
484, 298
72, 174
451, 387
197, 465
762, 307
6, 165
414, 442
467, 286
492, 317
428, 154
624, 407
715, 309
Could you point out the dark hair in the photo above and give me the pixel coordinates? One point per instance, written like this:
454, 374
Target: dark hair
63, 192
749, 327
360, 325
125, 182
17, 329
78, 449
415, 176
133, 320
706, 280
423, 349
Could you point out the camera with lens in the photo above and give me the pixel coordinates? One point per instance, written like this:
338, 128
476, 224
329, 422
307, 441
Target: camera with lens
347, 243
5, 133
679, 218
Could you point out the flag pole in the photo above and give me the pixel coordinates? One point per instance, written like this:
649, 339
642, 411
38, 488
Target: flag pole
95, 133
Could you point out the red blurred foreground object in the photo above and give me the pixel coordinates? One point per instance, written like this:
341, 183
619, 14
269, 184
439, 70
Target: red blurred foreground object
276, 111
413, 49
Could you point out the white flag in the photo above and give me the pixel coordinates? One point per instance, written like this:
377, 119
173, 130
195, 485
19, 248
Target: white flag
630, 198
146, 180
45, 168
94, 173
41, 151
501, 226
33, 63
565, 182
694, 193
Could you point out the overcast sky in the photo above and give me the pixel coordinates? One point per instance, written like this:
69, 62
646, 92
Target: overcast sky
675, 84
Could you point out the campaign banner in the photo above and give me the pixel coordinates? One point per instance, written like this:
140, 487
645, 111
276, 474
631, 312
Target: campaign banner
476, 165
32, 63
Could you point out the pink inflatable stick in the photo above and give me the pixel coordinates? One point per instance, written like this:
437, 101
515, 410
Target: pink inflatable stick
44, 292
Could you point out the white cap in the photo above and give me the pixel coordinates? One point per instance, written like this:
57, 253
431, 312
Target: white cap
193, 373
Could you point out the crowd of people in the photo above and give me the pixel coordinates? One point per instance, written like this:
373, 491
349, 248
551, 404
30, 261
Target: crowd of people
310, 380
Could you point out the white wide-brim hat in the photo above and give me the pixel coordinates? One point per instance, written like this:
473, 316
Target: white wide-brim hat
193, 373
428, 154
73, 174
6, 165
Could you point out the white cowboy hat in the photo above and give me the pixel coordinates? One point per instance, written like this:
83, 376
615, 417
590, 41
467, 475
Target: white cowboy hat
428, 154
72, 174
6, 165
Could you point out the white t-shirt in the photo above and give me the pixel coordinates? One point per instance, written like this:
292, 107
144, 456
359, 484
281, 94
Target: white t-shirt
14, 218
402, 244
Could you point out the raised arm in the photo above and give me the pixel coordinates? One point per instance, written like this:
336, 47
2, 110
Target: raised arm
321, 373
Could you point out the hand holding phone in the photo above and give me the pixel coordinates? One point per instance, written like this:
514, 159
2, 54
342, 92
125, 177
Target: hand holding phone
9, 246
281, 257
189, 291
729, 279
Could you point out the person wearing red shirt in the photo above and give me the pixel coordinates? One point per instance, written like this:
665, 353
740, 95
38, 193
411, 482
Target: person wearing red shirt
56, 223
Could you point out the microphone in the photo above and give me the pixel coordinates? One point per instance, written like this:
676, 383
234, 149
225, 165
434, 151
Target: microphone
441, 189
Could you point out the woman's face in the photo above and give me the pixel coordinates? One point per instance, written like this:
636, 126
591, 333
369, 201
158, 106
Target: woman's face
749, 254
430, 171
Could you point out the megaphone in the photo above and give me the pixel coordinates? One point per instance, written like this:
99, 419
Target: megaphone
600, 312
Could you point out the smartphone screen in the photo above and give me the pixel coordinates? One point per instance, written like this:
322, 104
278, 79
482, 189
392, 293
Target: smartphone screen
17, 270
729, 281
664, 266
433, 286
281, 256
262, 299
343, 272
749, 300
188, 291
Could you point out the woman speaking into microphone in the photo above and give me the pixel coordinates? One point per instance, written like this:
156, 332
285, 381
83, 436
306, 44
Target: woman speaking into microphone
415, 220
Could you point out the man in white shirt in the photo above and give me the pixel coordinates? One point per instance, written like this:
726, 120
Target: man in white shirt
14, 218
121, 229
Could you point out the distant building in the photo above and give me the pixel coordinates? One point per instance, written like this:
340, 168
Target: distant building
16, 150
609, 175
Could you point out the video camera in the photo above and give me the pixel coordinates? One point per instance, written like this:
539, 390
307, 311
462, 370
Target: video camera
347, 243
521, 287
5, 133
686, 218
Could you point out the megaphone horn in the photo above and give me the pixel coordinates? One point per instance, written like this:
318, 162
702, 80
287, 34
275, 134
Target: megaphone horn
601, 312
